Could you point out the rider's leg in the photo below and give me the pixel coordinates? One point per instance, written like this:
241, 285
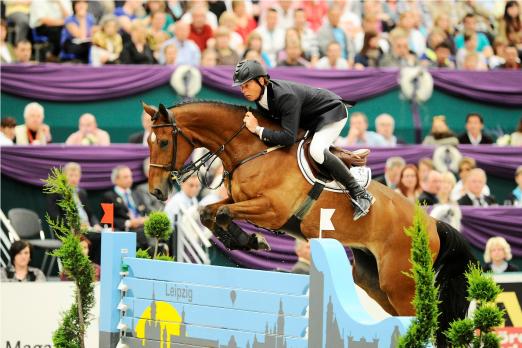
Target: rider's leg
320, 152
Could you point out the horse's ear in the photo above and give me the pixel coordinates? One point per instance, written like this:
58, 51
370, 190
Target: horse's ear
148, 109
163, 111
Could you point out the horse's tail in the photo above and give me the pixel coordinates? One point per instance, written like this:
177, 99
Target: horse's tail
451, 264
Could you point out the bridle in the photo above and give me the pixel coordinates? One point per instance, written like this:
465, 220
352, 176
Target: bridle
188, 169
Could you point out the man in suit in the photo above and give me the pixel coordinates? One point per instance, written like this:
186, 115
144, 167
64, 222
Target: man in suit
73, 173
299, 106
129, 212
392, 172
474, 131
474, 184
141, 137
431, 187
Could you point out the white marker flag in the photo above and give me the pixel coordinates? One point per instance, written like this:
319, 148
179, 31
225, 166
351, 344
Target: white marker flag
325, 222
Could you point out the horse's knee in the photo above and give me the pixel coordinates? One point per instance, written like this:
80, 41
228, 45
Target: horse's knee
223, 217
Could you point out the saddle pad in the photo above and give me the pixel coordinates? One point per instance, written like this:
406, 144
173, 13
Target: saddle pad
363, 175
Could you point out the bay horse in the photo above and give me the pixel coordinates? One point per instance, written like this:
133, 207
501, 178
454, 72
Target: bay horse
268, 189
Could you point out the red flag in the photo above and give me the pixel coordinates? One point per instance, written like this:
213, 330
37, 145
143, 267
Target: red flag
108, 214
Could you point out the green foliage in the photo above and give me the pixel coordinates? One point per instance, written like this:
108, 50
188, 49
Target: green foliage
56, 183
481, 288
461, 332
424, 326
158, 226
491, 340
477, 331
143, 254
77, 266
164, 258
487, 317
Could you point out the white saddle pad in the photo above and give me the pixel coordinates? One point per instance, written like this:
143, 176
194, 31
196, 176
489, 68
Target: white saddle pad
363, 175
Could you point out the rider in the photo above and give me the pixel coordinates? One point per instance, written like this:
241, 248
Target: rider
300, 106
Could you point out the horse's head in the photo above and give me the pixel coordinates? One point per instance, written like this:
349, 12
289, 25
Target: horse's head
169, 149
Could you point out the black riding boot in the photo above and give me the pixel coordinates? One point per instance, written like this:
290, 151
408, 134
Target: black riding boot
338, 170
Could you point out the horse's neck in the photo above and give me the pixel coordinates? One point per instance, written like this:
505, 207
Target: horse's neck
217, 126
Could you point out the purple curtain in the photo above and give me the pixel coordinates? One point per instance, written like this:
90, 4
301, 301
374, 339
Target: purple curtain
495, 86
85, 83
97, 161
31, 164
480, 224
351, 85
81, 83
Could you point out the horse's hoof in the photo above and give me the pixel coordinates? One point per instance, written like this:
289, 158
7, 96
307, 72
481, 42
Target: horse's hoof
262, 243
205, 216
223, 216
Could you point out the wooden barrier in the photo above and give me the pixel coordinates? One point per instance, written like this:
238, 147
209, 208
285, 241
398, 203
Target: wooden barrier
146, 303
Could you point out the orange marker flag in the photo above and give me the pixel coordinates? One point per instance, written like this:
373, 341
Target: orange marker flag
108, 214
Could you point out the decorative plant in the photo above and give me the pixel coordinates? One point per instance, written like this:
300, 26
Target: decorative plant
158, 226
77, 266
423, 328
478, 331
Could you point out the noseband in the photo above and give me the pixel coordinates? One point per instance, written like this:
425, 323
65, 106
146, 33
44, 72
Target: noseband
187, 170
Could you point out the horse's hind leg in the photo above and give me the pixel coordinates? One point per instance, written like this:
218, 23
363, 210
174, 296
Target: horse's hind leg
365, 275
398, 287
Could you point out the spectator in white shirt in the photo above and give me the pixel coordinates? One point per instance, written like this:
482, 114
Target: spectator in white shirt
273, 36
333, 59
184, 199
359, 135
385, 125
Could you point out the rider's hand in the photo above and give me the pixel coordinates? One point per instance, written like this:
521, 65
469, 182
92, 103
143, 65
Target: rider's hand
250, 121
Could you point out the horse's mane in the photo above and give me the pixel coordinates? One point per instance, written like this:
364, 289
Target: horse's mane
232, 107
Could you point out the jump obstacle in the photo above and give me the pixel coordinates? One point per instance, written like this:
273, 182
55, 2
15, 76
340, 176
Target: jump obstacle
148, 303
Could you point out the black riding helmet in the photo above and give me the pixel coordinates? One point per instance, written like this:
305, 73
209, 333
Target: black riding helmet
247, 70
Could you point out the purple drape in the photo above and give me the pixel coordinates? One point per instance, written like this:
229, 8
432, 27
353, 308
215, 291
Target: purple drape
480, 224
31, 164
350, 85
85, 83
81, 83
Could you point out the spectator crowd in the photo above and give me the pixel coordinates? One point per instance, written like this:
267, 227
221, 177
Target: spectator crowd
321, 34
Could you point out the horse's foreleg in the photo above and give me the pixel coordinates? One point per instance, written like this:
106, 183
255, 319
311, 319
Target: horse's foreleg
207, 214
231, 235
258, 210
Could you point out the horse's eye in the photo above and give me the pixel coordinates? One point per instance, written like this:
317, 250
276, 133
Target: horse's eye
163, 143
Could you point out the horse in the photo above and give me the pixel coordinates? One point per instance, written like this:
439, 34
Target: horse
267, 189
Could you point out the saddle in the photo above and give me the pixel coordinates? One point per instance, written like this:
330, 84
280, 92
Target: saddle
351, 159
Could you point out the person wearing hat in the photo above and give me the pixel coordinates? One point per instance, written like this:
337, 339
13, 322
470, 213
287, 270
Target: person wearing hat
295, 106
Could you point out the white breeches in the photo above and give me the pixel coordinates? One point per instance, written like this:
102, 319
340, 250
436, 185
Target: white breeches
325, 137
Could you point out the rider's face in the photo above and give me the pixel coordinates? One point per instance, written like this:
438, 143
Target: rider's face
251, 90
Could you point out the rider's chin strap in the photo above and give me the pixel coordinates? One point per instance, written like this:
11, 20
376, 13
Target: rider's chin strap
262, 90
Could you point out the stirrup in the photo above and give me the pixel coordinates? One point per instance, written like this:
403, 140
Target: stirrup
358, 211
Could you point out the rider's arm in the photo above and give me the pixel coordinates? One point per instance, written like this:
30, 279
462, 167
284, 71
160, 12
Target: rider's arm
289, 108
